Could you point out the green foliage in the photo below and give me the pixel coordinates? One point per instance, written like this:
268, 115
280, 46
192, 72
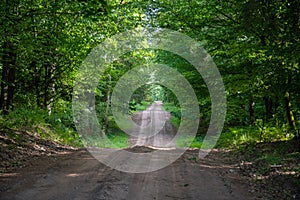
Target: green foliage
57, 127
119, 139
175, 112
142, 105
255, 45
175, 121
236, 136
269, 133
195, 142
112, 140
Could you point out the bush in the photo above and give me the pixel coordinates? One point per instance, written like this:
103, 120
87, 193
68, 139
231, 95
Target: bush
58, 126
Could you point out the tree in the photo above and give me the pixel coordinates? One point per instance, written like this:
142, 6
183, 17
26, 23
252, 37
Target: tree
9, 41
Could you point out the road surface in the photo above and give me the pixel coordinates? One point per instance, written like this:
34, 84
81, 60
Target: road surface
77, 175
71, 175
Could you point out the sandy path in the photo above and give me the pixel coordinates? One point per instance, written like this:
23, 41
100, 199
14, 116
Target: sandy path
79, 176
154, 127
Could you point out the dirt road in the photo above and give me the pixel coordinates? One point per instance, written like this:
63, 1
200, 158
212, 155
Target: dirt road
77, 175
153, 127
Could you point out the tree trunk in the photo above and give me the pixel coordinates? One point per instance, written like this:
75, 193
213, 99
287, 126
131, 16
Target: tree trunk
251, 109
8, 76
288, 105
107, 106
37, 82
9, 55
48, 86
269, 108
289, 112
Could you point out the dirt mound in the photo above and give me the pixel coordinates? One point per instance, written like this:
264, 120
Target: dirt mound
17, 147
140, 149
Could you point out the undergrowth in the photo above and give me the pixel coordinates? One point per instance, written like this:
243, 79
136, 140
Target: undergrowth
57, 126
111, 140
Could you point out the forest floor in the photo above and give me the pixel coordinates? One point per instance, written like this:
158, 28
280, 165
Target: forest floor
32, 168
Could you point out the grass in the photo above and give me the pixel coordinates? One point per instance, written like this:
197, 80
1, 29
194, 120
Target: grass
141, 106
120, 140
57, 127
235, 136
111, 140
232, 138
190, 141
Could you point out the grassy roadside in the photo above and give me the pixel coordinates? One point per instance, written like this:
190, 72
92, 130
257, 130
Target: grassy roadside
57, 127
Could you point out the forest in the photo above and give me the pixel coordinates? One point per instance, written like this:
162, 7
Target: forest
254, 45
